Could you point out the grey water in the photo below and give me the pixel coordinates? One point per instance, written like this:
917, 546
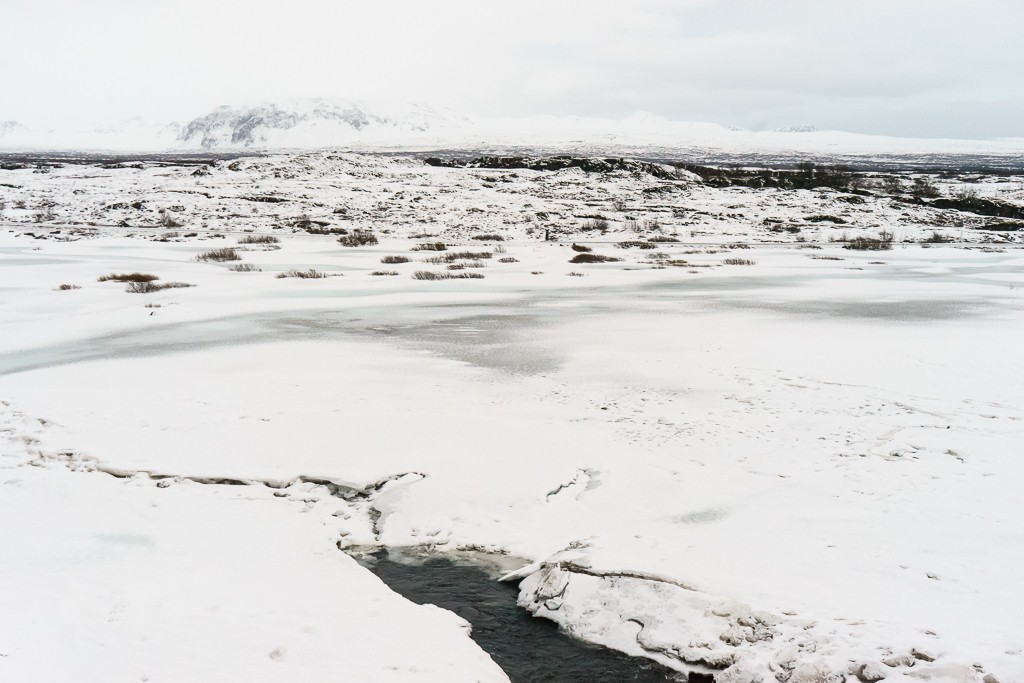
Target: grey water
528, 649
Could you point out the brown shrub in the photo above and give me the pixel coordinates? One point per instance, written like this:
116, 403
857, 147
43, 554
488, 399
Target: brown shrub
223, 254
593, 258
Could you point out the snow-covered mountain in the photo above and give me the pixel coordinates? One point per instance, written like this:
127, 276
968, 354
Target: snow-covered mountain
798, 128
129, 135
316, 123
368, 126
10, 127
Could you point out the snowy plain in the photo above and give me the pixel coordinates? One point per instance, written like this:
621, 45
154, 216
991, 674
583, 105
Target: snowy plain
802, 468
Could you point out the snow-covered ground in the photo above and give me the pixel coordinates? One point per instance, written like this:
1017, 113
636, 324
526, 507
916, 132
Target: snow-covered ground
801, 466
403, 196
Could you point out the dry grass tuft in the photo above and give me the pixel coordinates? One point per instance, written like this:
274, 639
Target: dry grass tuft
881, 243
127, 277
223, 254
593, 258
259, 239
150, 287
358, 238
429, 275
311, 274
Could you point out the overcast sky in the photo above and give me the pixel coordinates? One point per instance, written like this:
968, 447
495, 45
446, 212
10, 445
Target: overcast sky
932, 68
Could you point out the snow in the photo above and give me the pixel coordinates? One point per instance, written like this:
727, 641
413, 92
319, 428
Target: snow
377, 125
802, 468
405, 197
110, 580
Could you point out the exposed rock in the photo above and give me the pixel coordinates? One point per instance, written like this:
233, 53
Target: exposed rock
731, 609
557, 163
899, 660
737, 673
870, 672
813, 672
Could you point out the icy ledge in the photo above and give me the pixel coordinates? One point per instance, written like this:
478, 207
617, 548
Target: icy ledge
687, 629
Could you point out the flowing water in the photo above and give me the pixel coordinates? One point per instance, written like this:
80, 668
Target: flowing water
529, 649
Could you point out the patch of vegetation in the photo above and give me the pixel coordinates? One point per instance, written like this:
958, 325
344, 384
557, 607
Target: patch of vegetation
395, 259
429, 246
636, 243
384, 272
311, 274
127, 277
580, 248
662, 238
937, 238
595, 224
508, 259
924, 188
65, 287
319, 230
593, 258
167, 220
455, 255
259, 239
738, 262
222, 254
266, 199
489, 237
245, 268
881, 243
358, 238
429, 275
150, 287
825, 218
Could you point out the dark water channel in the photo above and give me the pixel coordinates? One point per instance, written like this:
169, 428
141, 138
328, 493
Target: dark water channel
529, 649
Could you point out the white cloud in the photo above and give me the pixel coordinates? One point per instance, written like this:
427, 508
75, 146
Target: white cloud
901, 66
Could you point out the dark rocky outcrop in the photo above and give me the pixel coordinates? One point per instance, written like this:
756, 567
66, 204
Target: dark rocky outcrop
557, 163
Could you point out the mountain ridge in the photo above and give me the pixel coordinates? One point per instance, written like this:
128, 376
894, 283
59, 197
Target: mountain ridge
397, 126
